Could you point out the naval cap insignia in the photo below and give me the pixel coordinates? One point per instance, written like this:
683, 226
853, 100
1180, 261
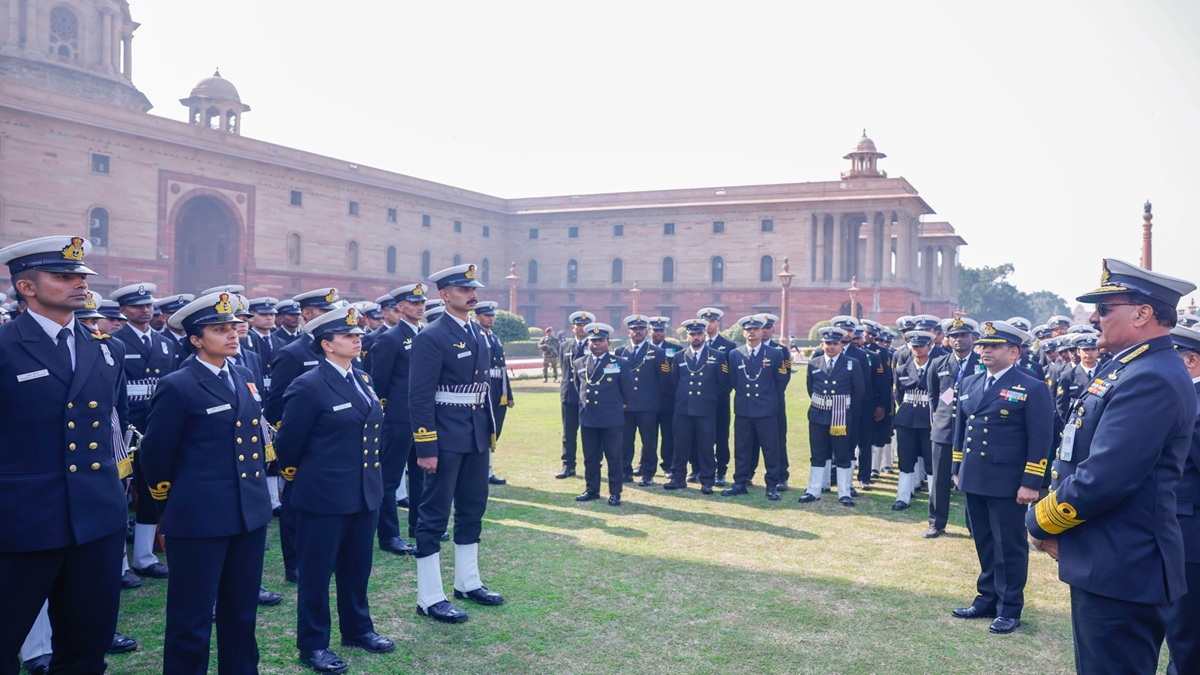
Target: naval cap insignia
223, 305
74, 250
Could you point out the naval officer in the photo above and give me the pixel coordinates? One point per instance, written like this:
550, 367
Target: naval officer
1182, 637
701, 378
651, 372
605, 384
568, 391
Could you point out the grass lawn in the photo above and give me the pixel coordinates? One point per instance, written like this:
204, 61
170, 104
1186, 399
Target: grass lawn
676, 582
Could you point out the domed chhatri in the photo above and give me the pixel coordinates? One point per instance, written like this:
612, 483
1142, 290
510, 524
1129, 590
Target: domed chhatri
864, 160
215, 103
220, 89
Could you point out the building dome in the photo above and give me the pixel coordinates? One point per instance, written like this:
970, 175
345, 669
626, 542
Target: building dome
864, 144
218, 88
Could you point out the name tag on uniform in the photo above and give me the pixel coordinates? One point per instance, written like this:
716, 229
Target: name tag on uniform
463, 355
407, 347
164, 348
341, 407
137, 389
964, 397
133, 356
220, 408
944, 373
311, 363
25, 377
1066, 449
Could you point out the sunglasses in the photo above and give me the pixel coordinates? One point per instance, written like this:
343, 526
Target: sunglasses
1103, 308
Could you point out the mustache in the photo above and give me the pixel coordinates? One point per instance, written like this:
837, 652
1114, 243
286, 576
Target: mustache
472, 302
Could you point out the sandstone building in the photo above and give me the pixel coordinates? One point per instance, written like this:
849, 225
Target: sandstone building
191, 203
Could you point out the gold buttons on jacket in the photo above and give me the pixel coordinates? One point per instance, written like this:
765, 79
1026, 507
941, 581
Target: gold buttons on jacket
254, 456
71, 446
238, 423
92, 404
70, 425
95, 466
254, 439
241, 458
376, 465
93, 445
364, 465
96, 425
256, 474
366, 451
239, 440
243, 475
71, 468
70, 405
254, 422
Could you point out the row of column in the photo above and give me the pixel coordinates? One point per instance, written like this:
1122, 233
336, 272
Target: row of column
112, 36
836, 254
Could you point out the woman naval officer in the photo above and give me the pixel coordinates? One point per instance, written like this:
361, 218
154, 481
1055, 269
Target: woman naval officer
328, 446
203, 455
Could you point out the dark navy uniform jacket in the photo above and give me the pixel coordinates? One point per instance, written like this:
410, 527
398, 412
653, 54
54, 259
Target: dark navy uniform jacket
143, 368
368, 346
204, 454
757, 382
1187, 497
265, 348
447, 361
252, 362
498, 373
651, 372
1030, 364
328, 444
846, 379
58, 479
280, 338
698, 386
723, 344
605, 385
1002, 435
944, 384
569, 350
290, 362
876, 380
670, 349
1113, 504
913, 410
1072, 382
390, 360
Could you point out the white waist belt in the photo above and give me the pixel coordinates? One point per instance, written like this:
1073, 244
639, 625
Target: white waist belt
822, 402
916, 398
496, 372
458, 398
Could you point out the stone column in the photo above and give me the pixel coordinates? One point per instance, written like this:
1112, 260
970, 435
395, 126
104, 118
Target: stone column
818, 257
838, 254
128, 66
14, 25
106, 35
872, 269
903, 250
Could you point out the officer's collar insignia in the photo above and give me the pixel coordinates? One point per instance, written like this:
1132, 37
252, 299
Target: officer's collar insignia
1135, 353
332, 295
352, 317
989, 329
74, 250
470, 273
223, 305
418, 290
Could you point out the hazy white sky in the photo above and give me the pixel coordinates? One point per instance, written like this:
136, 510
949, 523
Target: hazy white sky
1037, 128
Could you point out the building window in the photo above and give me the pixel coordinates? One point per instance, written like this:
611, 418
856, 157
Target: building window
64, 33
573, 232
766, 268
293, 248
425, 264
572, 271
668, 275
618, 271
390, 256
426, 220
352, 256
487, 231
98, 227
297, 198
100, 163
393, 216
531, 275
618, 230
718, 227
457, 260
718, 269
485, 270
354, 208
668, 228
220, 255
458, 226
768, 225
533, 233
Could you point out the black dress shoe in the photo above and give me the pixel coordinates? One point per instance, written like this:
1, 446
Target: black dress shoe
567, 472
130, 580
675, 485
693, 478
720, 481
646, 482
397, 545
853, 492
481, 596
773, 495
268, 599
154, 571
808, 498
275, 512
706, 489
587, 496
846, 501
372, 642
933, 532
737, 489
1002, 625
496, 480
614, 500
973, 612
782, 487
445, 537
39, 665
404, 503
443, 611
290, 575
324, 661
627, 479
899, 505
122, 644
826, 489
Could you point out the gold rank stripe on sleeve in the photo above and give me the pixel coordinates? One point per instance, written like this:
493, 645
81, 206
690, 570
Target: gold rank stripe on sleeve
423, 436
957, 456
159, 492
1056, 518
666, 367
1036, 468
288, 473
725, 367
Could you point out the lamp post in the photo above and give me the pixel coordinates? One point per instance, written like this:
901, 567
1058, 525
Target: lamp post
853, 291
785, 282
512, 280
635, 292
1146, 217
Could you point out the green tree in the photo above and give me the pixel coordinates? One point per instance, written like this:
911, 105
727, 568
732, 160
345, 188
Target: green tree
1044, 304
986, 293
510, 327
813, 335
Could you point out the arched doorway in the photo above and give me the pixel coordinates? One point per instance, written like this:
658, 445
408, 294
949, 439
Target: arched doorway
206, 245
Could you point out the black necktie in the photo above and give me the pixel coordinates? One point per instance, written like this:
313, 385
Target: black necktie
146, 341
920, 374
1089, 373
64, 348
354, 386
990, 381
224, 375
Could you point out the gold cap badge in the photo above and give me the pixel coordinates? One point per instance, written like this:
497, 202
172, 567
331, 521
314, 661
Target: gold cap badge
418, 290
74, 251
989, 329
958, 322
332, 295
223, 305
352, 317
470, 272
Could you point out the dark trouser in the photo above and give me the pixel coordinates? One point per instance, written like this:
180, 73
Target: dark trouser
570, 422
461, 482
912, 444
1116, 636
397, 440
864, 433
147, 513
784, 475
1183, 628
498, 414
666, 434
83, 584
597, 443
326, 543
644, 424
722, 438
287, 527
881, 431
416, 490
825, 447
939, 496
998, 527
751, 434
694, 436
226, 571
